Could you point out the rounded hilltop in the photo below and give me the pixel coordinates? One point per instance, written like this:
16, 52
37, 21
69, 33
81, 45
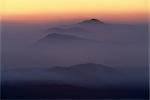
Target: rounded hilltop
92, 21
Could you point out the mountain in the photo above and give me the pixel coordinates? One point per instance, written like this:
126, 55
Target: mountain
91, 22
78, 28
110, 33
70, 30
89, 74
62, 39
64, 91
80, 81
86, 74
86, 68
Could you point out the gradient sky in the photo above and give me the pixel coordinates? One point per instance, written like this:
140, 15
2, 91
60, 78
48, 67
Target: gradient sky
56, 10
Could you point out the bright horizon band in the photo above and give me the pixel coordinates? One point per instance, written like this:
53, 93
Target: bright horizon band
111, 10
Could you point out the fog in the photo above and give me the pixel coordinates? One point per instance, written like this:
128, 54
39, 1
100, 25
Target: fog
126, 44
123, 47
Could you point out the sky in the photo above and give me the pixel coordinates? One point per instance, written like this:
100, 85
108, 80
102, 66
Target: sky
58, 10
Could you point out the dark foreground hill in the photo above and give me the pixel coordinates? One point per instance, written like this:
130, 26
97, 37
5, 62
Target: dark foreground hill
53, 91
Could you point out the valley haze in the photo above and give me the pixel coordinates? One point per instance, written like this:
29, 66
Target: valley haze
111, 60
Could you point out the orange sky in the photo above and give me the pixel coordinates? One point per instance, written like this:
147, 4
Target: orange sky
55, 10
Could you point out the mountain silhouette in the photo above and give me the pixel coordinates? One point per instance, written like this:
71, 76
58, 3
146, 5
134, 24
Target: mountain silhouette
75, 30
55, 38
86, 67
88, 74
98, 30
78, 28
91, 22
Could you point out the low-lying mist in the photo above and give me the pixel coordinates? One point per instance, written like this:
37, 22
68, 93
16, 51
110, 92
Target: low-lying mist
122, 47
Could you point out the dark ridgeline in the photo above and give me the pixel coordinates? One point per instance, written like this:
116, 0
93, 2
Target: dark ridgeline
92, 22
98, 30
64, 91
80, 28
76, 30
58, 39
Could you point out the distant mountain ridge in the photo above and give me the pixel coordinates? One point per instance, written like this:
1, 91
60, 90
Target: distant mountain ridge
85, 66
80, 81
98, 30
56, 38
92, 22
77, 28
79, 74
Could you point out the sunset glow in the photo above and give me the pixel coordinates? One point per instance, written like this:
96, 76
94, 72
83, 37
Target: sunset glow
44, 10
